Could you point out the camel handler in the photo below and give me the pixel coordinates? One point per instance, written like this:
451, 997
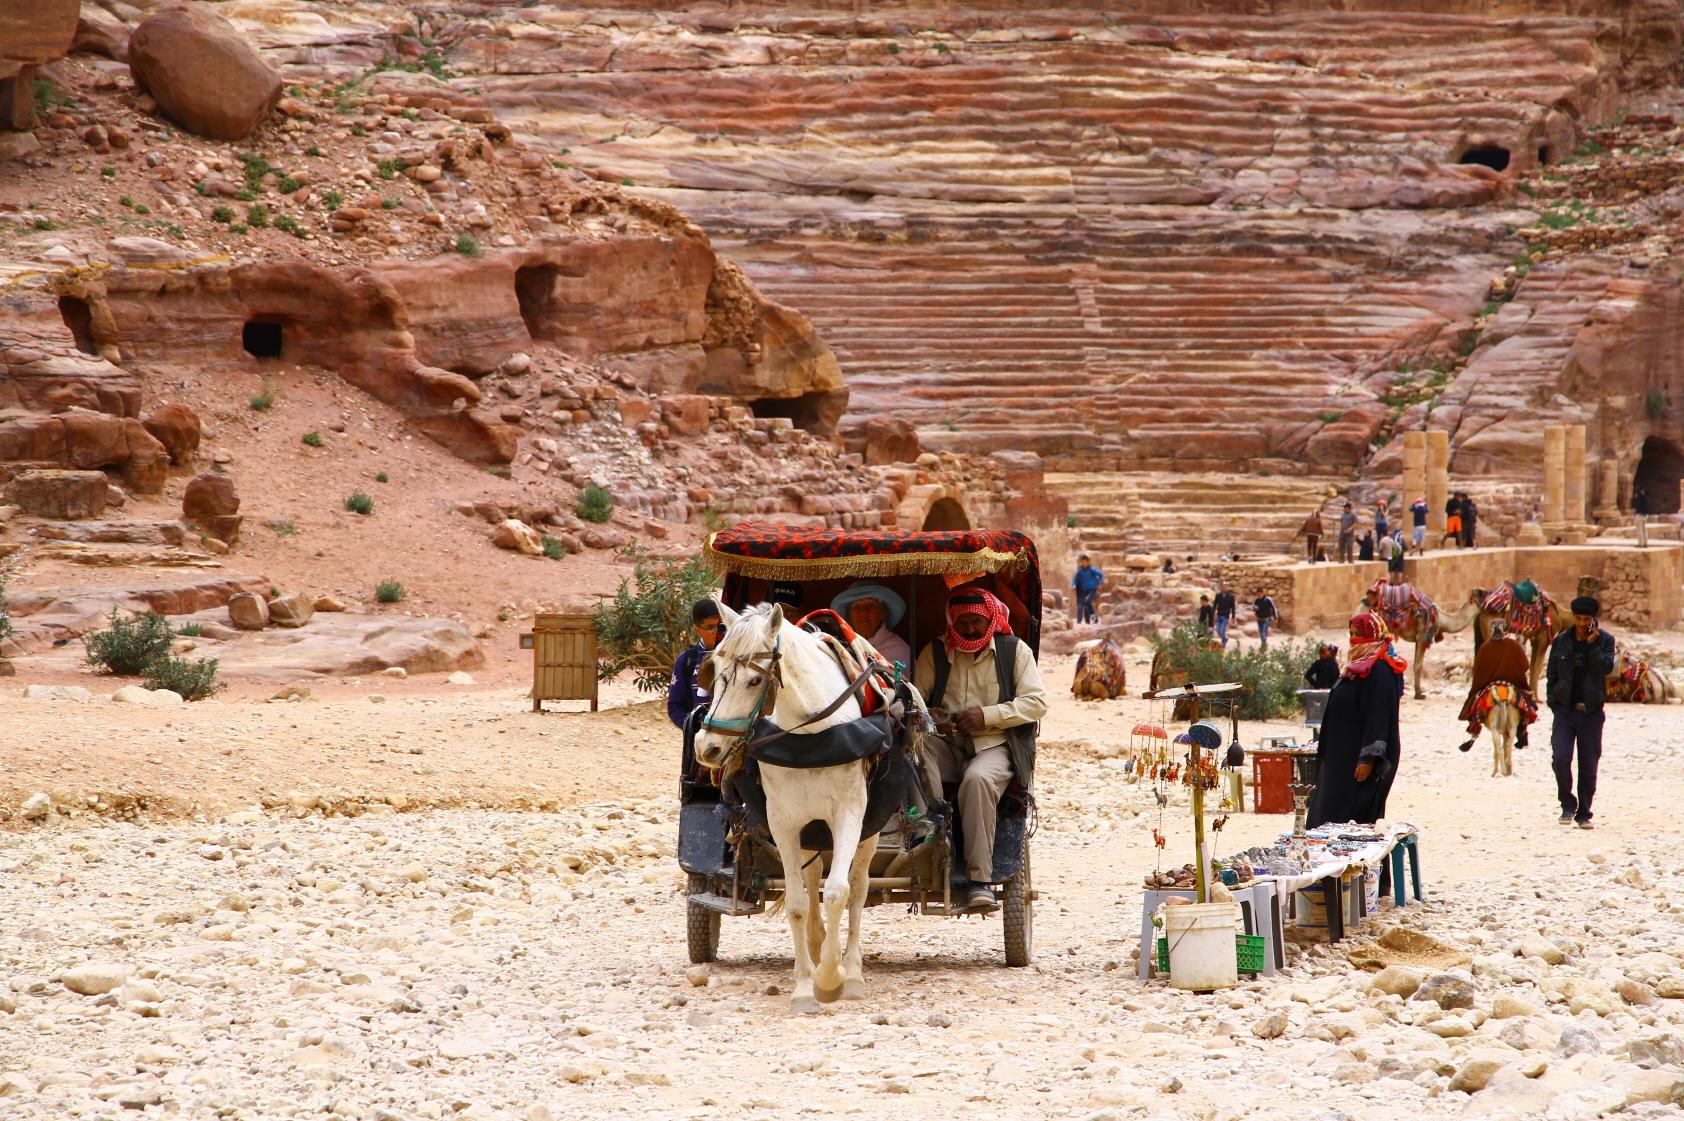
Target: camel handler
1501, 659
985, 694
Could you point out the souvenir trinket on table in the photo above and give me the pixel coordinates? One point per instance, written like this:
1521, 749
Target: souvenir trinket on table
1195, 758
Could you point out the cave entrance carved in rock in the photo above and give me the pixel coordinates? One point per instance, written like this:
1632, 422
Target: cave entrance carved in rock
535, 290
74, 310
945, 513
812, 412
262, 338
1659, 472
1494, 156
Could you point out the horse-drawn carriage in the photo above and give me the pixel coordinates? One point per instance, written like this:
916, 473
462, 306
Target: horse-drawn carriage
733, 865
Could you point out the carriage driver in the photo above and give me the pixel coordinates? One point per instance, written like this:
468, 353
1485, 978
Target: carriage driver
985, 692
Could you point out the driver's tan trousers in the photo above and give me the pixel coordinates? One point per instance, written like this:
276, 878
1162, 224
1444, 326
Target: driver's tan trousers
982, 778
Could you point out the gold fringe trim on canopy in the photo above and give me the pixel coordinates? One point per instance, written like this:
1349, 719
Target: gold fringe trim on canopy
878, 564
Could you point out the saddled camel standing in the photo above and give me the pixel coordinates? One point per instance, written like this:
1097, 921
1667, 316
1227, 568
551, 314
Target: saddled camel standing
1412, 617
1535, 623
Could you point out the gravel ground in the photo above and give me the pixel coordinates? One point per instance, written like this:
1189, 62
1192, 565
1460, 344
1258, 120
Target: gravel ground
487, 963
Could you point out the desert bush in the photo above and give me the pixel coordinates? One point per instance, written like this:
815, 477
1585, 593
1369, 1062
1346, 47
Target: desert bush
595, 504
313, 439
191, 630
263, 400
389, 591
129, 646
647, 623
554, 549
193, 680
5, 613
467, 246
1271, 678
360, 503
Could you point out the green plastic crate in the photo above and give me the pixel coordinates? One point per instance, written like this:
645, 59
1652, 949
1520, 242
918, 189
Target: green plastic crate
1248, 951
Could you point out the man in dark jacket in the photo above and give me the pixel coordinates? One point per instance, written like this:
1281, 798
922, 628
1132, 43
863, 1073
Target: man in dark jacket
1224, 605
682, 694
1580, 660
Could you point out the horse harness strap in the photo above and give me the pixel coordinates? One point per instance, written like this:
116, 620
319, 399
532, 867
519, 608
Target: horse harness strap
851, 691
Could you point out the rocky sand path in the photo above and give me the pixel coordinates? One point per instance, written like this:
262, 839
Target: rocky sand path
490, 964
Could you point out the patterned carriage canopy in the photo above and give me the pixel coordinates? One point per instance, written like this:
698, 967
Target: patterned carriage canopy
780, 552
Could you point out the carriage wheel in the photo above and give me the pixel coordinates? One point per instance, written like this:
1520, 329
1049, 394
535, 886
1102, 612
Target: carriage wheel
701, 926
1018, 911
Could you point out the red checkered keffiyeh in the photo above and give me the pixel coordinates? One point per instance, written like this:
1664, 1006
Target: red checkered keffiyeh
1371, 642
975, 602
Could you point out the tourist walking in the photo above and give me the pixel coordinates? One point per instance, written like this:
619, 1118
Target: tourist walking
1452, 521
1580, 660
1324, 671
1394, 563
1264, 608
1418, 521
1470, 520
1347, 533
1365, 547
1359, 748
1382, 522
1087, 582
1640, 511
1311, 531
1224, 606
1207, 615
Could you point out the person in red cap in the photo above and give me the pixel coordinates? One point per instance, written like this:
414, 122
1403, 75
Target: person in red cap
1359, 748
985, 693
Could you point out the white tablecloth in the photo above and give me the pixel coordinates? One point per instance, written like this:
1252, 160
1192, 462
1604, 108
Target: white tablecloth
1370, 855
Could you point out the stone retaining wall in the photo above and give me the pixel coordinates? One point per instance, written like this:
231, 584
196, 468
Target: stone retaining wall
1642, 588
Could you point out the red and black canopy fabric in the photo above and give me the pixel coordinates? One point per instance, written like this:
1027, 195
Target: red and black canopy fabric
780, 552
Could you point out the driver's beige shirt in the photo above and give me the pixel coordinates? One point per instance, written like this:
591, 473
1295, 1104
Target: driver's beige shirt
972, 681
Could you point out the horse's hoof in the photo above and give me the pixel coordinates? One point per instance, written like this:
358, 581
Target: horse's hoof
804, 1006
829, 996
853, 990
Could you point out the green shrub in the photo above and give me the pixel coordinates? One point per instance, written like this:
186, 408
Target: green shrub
388, 591
44, 224
595, 504
125, 200
647, 624
1330, 416
554, 549
191, 630
202, 186
108, 172
283, 527
313, 439
263, 400
287, 224
142, 208
129, 646
1070, 521
360, 503
256, 168
467, 246
313, 150
388, 168
257, 215
288, 185
1271, 678
5, 612
390, 204
382, 478
194, 680
223, 214
333, 200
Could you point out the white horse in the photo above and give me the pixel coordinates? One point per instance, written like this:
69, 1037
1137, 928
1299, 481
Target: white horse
768, 667
1503, 722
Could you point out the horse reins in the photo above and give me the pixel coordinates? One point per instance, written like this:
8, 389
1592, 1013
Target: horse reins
770, 666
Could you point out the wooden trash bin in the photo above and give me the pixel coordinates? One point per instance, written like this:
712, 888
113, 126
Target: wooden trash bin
563, 659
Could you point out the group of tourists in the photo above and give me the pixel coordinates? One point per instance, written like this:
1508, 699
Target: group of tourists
980, 683
1360, 749
1382, 539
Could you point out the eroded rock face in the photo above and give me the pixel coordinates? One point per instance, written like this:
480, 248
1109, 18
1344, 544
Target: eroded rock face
203, 74
177, 428
59, 494
30, 33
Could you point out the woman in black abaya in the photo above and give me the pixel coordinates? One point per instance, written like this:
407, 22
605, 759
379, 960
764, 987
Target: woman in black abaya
1359, 735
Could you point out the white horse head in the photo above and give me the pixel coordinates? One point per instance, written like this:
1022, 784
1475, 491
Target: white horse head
766, 668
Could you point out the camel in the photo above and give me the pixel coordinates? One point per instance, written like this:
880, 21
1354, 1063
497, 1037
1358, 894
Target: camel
1422, 624
769, 668
1100, 673
1559, 619
1503, 722
1639, 682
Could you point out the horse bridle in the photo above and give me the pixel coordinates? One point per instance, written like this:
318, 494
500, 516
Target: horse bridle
770, 666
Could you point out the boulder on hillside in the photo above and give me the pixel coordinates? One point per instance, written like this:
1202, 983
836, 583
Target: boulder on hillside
59, 494
518, 536
101, 33
292, 610
202, 73
31, 33
177, 428
210, 496
248, 611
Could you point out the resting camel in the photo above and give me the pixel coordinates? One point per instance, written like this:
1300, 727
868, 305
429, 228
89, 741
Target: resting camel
1559, 619
1420, 623
1638, 681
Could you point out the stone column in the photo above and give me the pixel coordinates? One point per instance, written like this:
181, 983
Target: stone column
1414, 471
1607, 492
1555, 455
1573, 490
1438, 482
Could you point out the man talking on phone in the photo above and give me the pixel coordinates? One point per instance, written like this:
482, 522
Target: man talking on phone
1581, 658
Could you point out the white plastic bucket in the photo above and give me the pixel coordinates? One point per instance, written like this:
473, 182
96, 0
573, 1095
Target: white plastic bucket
1201, 945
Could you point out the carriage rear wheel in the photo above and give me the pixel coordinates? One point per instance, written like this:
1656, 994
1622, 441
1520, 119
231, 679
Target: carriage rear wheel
701, 926
1017, 908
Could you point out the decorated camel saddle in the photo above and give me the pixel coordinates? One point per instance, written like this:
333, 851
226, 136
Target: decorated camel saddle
1401, 604
1099, 673
1636, 682
1523, 604
1496, 693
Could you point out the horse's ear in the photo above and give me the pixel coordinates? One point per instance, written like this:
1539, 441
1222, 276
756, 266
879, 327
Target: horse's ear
726, 615
775, 620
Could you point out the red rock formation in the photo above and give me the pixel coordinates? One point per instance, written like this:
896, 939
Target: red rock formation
177, 428
30, 34
202, 73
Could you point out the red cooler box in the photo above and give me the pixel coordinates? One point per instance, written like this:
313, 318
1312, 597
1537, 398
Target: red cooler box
1271, 780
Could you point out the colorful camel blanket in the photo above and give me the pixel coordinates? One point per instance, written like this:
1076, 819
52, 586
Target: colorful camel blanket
1629, 682
1099, 673
1494, 694
1526, 617
1401, 605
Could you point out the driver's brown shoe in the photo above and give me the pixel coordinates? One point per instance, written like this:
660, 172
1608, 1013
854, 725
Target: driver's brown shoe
980, 898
